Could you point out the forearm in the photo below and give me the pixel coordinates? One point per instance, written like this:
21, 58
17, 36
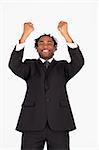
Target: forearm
76, 63
18, 67
68, 38
22, 39
16, 58
77, 59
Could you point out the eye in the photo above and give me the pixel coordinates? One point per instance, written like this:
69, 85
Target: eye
40, 43
50, 43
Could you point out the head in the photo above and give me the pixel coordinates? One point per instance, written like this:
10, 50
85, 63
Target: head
46, 45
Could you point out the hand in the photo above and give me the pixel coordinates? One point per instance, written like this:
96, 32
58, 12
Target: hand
63, 28
28, 28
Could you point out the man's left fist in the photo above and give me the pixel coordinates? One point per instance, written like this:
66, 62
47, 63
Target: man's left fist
63, 27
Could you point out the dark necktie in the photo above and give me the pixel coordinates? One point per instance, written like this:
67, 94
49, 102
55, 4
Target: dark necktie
46, 64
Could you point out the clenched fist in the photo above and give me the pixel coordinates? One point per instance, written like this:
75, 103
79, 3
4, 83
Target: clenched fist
63, 28
28, 28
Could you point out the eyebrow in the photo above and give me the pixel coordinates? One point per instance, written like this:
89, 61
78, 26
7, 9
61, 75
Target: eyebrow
48, 41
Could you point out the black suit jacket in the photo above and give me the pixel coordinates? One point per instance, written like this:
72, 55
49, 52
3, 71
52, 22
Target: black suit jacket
46, 96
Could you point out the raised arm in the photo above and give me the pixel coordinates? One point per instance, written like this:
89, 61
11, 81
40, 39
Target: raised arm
18, 67
77, 59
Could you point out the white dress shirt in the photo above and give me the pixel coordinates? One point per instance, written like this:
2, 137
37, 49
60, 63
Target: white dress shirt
43, 60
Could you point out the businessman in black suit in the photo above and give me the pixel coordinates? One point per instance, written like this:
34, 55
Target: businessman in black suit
46, 114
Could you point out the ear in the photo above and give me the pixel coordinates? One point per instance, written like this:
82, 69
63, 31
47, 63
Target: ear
55, 48
36, 48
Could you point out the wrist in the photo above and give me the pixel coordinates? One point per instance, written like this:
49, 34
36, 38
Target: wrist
22, 39
68, 38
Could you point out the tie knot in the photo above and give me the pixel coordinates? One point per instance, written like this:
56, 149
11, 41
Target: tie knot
46, 64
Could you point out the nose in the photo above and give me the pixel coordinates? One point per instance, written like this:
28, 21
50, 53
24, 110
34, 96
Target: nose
45, 46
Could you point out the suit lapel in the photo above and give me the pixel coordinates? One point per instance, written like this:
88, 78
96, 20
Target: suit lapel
50, 67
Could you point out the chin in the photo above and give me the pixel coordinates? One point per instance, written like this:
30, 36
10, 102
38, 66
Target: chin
45, 57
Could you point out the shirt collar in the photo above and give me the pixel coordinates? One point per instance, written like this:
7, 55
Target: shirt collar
43, 60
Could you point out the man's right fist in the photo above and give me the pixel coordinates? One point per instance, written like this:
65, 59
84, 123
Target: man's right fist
28, 28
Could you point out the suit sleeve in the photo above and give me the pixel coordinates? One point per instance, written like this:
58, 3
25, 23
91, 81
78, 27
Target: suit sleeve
18, 67
77, 61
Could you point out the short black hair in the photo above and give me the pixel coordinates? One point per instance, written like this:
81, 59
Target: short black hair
53, 38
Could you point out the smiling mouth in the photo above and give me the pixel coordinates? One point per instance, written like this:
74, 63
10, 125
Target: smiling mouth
46, 51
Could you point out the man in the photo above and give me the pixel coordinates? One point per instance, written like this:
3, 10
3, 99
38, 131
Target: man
46, 113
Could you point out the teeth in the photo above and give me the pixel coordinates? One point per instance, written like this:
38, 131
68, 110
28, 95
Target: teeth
45, 50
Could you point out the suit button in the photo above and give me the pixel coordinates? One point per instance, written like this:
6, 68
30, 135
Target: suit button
46, 87
47, 99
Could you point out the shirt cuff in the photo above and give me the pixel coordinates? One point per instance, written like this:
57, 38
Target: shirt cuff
72, 45
20, 46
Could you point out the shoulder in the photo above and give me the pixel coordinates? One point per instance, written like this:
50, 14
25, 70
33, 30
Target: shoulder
62, 62
30, 60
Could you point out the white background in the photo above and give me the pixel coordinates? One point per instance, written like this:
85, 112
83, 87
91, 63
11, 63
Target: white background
82, 89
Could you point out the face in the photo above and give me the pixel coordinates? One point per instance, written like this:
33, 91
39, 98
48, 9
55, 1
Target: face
46, 47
